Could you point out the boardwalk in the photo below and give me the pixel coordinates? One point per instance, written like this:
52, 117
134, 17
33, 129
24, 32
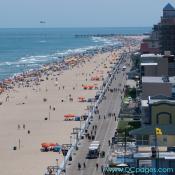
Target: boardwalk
105, 129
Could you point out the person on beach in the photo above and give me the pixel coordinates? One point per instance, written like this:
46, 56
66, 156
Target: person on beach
18, 126
7, 98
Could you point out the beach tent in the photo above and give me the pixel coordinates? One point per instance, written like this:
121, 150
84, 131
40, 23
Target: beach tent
77, 118
57, 148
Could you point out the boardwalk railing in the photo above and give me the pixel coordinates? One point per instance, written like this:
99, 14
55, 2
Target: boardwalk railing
86, 124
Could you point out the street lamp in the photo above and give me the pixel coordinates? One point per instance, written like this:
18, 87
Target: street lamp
70, 140
57, 164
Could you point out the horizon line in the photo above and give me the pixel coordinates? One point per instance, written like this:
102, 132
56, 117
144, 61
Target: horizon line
74, 27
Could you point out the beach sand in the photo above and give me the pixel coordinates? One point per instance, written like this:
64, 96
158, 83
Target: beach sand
25, 106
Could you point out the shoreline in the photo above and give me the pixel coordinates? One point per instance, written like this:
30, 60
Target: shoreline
25, 105
88, 53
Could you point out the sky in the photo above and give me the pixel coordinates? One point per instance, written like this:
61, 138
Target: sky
81, 13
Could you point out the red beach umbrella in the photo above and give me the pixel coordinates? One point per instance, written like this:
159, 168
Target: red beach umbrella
45, 145
69, 115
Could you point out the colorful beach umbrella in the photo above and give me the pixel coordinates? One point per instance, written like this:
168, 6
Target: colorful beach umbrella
69, 115
45, 145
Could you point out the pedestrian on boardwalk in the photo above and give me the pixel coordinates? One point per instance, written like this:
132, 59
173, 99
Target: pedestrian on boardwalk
102, 168
104, 116
79, 166
95, 127
89, 137
109, 142
96, 166
99, 117
84, 165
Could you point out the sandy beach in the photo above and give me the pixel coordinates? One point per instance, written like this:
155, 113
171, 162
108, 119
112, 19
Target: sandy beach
23, 112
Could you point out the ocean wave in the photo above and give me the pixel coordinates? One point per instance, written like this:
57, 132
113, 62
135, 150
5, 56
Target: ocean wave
43, 41
33, 62
105, 41
33, 59
76, 51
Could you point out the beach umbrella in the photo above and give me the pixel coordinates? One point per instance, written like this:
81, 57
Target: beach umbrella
52, 144
85, 87
90, 86
69, 115
45, 145
81, 97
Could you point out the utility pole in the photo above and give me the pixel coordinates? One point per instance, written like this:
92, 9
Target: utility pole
125, 141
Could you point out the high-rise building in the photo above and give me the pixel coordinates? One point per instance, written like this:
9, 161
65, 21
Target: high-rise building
162, 38
166, 30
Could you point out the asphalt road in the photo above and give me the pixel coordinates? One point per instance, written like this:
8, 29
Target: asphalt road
105, 127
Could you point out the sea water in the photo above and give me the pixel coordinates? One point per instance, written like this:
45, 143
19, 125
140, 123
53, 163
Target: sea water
28, 48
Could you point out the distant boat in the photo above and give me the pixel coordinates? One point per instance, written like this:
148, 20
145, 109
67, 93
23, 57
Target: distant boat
42, 22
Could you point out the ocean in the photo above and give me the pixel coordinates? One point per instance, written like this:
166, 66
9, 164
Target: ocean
23, 49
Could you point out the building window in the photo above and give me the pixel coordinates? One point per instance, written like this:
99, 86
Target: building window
164, 118
165, 140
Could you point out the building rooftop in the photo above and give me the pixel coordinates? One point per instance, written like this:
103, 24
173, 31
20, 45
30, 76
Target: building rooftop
149, 64
168, 7
165, 79
146, 79
161, 98
162, 155
144, 103
151, 55
150, 130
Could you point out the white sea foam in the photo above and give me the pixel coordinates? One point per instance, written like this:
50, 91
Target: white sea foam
105, 41
32, 62
43, 41
75, 51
